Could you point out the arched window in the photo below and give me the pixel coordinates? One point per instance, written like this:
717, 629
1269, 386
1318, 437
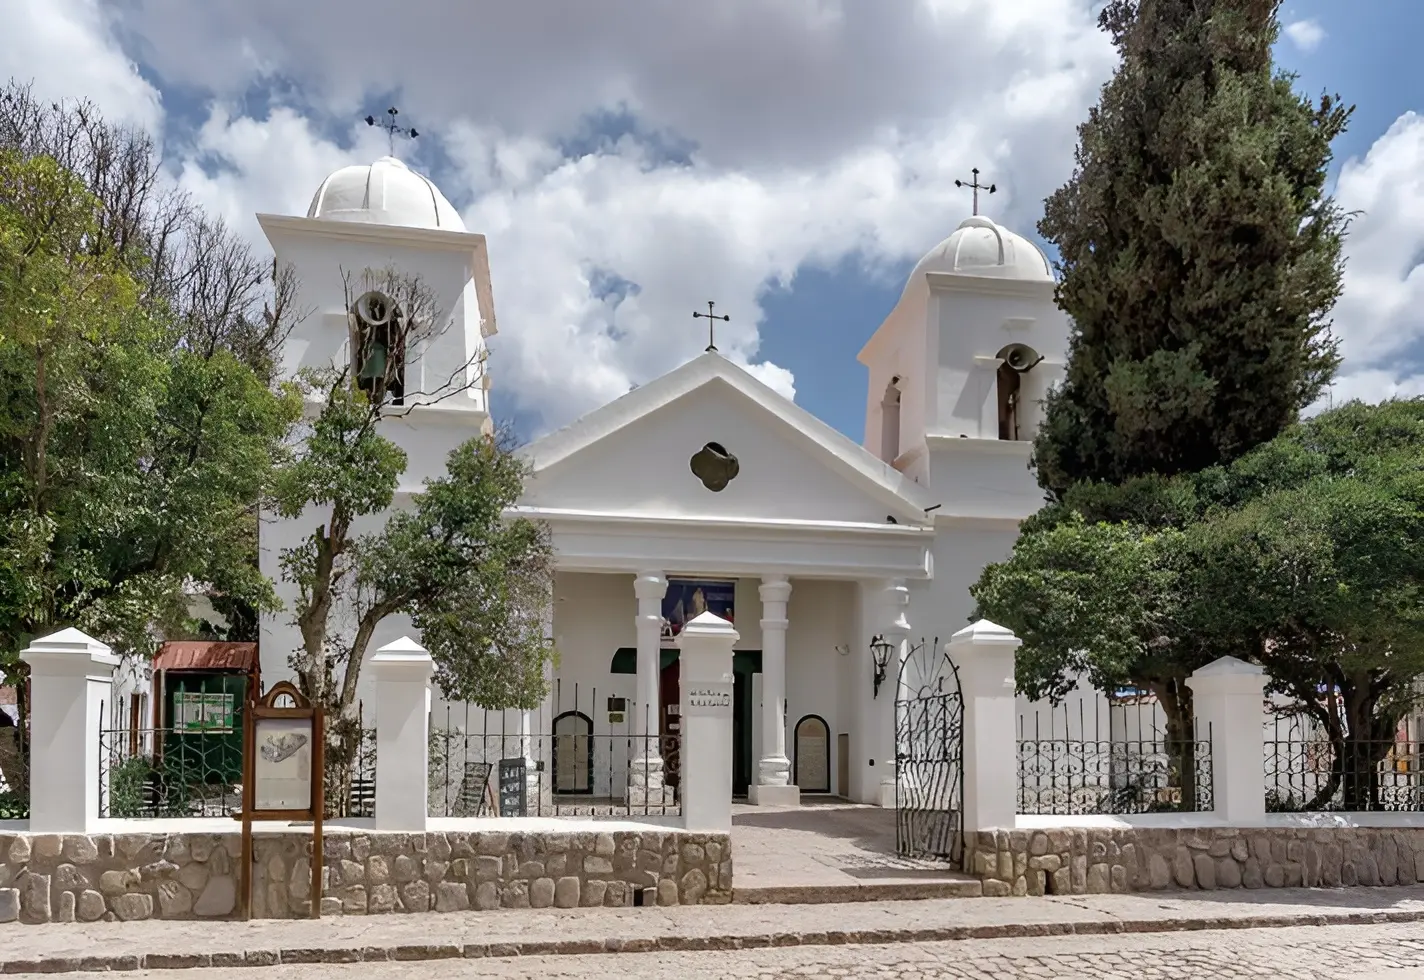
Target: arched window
378, 346
1009, 389
890, 422
812, 755
573, 753
1016, 360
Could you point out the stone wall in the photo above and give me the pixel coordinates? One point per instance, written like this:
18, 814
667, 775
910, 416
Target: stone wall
1077, 862
54, 878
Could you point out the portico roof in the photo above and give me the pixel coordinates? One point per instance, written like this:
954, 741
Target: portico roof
619, 488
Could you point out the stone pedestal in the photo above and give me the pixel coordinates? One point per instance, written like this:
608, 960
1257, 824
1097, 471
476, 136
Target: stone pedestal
1229, 697
984, 654
706, 662
71, 683
402, 671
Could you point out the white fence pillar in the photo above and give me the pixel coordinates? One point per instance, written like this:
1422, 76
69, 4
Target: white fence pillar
71, 681
1229, 697
706, 680
402, 670
984, 654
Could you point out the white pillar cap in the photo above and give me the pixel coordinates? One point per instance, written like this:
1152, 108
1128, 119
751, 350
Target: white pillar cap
68, 651
985, 633
403, 654
708, 625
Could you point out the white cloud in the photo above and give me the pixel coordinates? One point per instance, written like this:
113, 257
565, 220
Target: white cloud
1306, 34
1380, 318
817, 130
67, 50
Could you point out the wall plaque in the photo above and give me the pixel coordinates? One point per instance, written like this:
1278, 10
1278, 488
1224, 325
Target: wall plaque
513, 784
709, 697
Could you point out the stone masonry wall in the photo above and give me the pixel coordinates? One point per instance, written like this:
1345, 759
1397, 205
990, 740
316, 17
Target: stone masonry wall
86, 877
1078, 862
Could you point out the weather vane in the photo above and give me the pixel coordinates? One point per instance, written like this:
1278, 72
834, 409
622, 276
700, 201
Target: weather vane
392, 130
991, 188
711, 319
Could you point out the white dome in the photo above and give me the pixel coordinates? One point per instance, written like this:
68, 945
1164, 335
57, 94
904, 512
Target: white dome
979, 247
385, 193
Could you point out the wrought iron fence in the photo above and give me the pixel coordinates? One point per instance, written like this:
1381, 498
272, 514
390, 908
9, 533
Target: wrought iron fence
577, 756
351, 767
1307, 769
14, 770
183, 770
1115, 757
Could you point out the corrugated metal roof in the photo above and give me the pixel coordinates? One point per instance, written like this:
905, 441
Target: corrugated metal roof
206, 655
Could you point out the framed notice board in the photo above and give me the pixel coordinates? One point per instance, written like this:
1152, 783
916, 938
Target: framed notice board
512, 788
283, 763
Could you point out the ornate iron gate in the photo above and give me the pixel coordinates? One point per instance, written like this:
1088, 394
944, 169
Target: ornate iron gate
929, 756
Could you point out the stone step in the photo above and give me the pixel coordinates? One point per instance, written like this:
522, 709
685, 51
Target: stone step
880, 891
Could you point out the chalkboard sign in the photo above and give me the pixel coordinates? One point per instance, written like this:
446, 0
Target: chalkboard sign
512, 802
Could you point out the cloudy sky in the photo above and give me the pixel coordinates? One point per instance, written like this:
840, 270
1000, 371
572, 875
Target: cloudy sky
630, 159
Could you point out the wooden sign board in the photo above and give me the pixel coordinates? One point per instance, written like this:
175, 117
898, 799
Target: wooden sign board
283, 775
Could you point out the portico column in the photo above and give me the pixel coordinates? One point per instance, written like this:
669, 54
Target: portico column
896, 633
645, 778
773, 784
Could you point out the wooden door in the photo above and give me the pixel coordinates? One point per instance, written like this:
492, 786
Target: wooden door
670, 727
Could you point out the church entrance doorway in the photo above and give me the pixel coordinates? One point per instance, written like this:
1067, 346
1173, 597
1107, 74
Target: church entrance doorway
745, 663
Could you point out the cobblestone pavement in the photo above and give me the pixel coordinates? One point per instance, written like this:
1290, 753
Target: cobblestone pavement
1390, 952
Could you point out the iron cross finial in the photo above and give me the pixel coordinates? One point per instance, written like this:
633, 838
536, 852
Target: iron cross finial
991, 188
711, 319
392, 130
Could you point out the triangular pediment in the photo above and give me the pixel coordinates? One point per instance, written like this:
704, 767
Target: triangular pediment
633, 457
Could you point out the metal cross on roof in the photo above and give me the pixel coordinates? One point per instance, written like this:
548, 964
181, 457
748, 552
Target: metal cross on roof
392, 130
991, 188
711, 319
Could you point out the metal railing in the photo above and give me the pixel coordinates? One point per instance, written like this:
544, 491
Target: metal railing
1306, 769
1114, 758
576, 756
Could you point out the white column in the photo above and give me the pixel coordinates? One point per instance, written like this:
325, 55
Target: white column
1229, 697
645, 775
402, 672
71, 682
706, 663
897, 633
984, 654
773, 785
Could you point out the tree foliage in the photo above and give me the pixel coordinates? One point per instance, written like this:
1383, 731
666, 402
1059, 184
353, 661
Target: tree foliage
130, 464
1305, 556
1200, 256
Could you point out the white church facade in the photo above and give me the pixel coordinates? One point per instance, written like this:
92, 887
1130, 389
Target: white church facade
704, 489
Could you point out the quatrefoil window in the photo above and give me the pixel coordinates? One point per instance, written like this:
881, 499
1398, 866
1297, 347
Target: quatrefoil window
714, 466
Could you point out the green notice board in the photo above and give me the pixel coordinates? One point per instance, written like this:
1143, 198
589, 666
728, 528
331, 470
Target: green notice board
203, 732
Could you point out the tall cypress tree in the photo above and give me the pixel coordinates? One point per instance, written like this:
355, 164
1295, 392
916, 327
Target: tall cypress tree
1200, 255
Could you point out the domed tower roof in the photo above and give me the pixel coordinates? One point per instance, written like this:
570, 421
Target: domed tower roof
386, 192
979, 247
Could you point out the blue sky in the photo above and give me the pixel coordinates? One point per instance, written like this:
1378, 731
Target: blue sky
1368, 56
624, 177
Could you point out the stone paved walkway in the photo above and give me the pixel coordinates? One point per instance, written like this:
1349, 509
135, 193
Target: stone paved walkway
1390, 952
831, 851
571, 933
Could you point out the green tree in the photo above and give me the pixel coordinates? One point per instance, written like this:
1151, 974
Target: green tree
1200, 256
1305, 556
132, 464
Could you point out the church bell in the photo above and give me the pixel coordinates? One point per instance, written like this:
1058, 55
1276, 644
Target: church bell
375, 364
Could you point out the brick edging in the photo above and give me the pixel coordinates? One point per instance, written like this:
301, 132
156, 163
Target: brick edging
574, 947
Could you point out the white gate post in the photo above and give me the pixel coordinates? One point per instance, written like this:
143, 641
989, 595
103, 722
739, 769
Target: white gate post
706, 714
402, 670
1229, 698
71, 681
984, 654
